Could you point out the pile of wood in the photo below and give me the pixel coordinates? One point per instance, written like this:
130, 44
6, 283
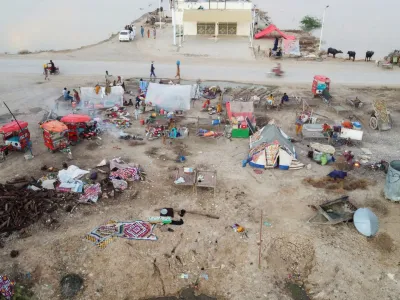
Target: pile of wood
21, 207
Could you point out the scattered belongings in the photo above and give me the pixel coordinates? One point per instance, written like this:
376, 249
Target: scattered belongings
91, 193
354, 101
366, 222
182, 212
69, 179
270, 147
103, 235
338, 183
6, 287
321, 153
121, 170
334, 212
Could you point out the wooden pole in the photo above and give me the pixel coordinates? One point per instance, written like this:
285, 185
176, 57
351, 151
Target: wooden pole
259, 250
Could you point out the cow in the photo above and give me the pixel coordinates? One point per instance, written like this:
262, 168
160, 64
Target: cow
369, 55
352, 54
333, 51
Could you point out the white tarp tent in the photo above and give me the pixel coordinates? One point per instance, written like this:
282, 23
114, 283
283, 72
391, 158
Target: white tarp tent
100, 100
169, 97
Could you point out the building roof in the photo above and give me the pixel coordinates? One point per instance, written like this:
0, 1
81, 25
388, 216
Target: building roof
216, 15
272, 28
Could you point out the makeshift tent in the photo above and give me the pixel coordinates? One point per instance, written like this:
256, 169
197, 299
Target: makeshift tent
240, 115
291, 47
169, 97
270, 29
100, 99
270, 147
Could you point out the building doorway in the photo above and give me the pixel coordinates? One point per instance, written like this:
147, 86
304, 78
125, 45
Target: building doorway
206, 28
227, 28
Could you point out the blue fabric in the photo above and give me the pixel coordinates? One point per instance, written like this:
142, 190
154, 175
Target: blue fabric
335, 174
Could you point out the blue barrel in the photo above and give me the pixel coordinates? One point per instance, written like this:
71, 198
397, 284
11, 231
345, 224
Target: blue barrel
392, 185
215, 122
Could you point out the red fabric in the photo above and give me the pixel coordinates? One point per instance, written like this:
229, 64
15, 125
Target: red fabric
271, 28
13, 126
76, 119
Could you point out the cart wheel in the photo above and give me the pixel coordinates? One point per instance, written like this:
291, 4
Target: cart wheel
73, 143
373, 123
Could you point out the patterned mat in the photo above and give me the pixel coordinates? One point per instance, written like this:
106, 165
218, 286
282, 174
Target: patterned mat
6, 287
103, 235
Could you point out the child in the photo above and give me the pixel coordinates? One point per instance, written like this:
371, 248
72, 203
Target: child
46, 72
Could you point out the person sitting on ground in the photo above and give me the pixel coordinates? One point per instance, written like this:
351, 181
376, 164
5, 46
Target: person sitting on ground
285, 98
137, 105
270, 100
65, 93
279, 52
206, 104
68, 96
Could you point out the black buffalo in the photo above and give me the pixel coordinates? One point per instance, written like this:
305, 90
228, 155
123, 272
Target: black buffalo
369, 55
333, 51
351, 54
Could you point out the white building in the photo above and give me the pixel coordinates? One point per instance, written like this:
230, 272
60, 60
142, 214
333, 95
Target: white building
213, 17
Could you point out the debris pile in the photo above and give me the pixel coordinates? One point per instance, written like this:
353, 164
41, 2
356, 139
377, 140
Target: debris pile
21, 207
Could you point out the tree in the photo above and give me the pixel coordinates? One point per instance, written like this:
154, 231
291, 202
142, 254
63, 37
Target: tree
309, 23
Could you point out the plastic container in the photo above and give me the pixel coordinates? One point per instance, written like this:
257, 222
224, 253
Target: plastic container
215, 122
357, 125
142, 122
392, 185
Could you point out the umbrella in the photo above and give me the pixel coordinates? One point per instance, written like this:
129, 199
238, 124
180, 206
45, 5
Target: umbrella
75, 118
366, 222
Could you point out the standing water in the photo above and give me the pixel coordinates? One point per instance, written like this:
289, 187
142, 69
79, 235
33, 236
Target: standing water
357, 25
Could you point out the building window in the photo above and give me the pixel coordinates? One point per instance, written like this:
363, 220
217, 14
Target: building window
206, 28
227, 28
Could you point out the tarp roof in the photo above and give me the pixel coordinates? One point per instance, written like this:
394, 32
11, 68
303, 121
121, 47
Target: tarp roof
101, 99
13, 126
169, 97
272, 28
216, 15
54, 126
72, 118
269, 134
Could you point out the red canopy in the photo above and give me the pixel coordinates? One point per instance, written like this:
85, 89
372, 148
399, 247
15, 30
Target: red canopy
13, 126
271, 28
321, 78
54, 126
75, 118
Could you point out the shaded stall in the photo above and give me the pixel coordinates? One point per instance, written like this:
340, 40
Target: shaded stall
100, 97
241, 117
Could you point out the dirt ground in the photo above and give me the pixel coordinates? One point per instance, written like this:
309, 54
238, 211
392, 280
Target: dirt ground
331, 262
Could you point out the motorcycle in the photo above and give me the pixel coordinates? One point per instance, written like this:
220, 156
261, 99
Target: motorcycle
56, 71
276, 72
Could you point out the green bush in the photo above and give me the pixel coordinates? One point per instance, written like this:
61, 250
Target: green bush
309, 23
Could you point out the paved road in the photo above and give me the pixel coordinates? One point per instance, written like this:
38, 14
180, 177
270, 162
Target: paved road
295, 72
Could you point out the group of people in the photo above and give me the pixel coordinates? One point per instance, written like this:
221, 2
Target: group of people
271, 99
148, 32
67, 96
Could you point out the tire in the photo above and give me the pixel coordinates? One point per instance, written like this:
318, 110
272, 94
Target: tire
373, 123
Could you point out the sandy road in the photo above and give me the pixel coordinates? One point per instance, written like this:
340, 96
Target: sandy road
295, 72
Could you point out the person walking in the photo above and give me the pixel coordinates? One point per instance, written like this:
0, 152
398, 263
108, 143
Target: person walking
46, 72
152, 70
142, 31
154, 32
148, 33
178, 69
